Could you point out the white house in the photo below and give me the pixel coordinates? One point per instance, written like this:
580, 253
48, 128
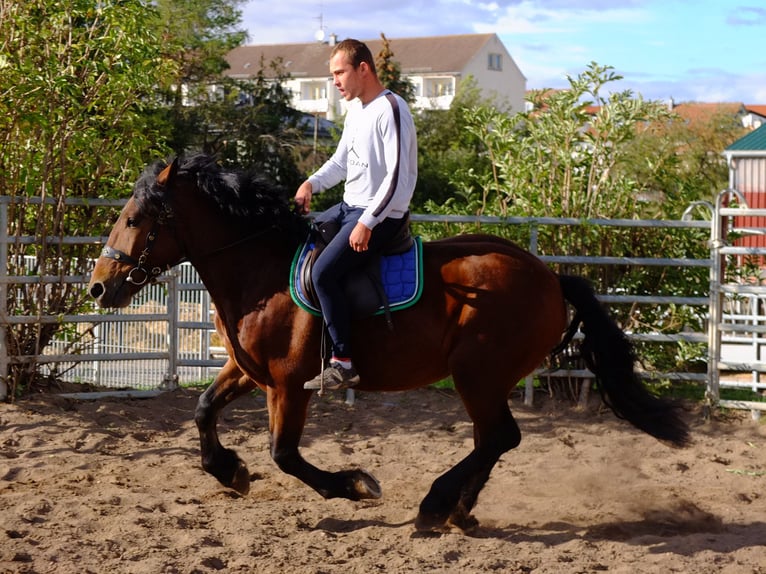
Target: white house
435, 65
754, 117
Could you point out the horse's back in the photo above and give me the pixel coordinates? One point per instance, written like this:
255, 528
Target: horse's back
480, 244
489, 262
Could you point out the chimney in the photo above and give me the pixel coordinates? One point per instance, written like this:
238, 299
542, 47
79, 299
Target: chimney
671, 104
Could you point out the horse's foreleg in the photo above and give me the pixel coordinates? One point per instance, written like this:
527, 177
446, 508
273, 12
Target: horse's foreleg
454, 494
287, 416
221, 462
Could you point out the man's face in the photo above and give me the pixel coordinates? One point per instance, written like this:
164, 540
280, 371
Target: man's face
346, 78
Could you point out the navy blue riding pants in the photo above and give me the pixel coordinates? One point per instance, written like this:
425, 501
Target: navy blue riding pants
337, 259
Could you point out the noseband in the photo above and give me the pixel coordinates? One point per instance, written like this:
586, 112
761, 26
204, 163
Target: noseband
139, 275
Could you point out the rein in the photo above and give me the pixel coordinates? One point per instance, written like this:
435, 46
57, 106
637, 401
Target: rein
139, 275
239, 241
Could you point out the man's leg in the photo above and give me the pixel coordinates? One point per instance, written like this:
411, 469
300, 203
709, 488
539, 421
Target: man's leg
331, 266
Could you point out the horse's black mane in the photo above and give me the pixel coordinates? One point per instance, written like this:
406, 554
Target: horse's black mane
246, 197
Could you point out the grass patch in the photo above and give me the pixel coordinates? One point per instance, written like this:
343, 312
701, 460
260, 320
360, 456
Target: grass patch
447, 383
695, 392
689, 391
197, 385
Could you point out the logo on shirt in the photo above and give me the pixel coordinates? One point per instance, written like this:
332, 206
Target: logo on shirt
358, 161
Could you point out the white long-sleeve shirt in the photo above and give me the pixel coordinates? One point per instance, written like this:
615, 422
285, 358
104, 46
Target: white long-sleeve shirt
377, 158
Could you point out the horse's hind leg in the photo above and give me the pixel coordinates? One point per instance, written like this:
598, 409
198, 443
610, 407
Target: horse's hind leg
454, 494
221, 462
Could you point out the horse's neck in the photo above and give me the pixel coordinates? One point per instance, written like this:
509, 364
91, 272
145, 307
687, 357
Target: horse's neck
243, 277
249, 270
243, 281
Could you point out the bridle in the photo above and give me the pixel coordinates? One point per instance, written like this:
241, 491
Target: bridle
139, 275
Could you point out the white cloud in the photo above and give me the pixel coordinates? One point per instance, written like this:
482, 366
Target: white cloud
550, 38
528, 17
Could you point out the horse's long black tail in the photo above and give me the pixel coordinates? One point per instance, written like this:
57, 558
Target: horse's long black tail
610, 356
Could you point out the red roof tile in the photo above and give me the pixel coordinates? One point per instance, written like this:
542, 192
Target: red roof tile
756, 109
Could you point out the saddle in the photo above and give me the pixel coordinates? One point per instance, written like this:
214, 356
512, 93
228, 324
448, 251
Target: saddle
390, 281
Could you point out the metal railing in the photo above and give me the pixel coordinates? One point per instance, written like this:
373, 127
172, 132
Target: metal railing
162, 338
184, 352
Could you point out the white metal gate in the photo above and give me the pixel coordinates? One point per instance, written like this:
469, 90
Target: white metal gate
163, 338
737, 323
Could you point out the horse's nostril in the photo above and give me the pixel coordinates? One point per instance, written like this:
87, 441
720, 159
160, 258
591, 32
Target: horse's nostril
96, 290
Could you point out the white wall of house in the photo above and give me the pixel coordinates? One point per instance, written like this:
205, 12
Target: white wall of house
311, 95
490, 64
498, 75
753, 121
317, 95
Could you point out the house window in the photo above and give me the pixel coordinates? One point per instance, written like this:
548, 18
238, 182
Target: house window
314, 90
437, 87
496, 62
417, 84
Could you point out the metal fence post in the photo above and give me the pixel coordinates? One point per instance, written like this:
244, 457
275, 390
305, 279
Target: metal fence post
529, 381
171, 378
4, 358
714, 318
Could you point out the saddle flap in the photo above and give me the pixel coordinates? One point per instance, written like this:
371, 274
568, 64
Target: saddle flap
402, 241
397, 278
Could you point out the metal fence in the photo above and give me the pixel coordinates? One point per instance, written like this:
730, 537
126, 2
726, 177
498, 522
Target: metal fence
163, 338
166, 336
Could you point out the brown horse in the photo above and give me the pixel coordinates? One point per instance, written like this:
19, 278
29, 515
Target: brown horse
490, 313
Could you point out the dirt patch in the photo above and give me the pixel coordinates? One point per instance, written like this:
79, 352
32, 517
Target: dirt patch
116, 486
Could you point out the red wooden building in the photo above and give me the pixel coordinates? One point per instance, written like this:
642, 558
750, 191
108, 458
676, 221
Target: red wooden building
747, 174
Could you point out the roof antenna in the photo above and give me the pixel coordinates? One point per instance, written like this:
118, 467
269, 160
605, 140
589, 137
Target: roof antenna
319, 34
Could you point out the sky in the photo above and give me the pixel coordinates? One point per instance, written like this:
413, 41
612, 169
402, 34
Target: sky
687, 50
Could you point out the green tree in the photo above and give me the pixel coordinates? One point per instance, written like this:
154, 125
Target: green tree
390, 73
560, 158
197, 35
677, 161
243, 122
451, 158
258, 128
76, 79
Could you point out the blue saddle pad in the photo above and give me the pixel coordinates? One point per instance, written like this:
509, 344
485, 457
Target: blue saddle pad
401, 274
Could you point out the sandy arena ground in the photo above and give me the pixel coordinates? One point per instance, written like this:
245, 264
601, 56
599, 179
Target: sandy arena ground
115, 486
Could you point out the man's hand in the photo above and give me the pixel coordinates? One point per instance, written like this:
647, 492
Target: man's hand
360, 237
303, 197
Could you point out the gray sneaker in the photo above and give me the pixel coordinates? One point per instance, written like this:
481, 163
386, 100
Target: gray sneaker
333, 378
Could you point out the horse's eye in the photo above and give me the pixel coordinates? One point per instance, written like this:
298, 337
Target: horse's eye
132, 222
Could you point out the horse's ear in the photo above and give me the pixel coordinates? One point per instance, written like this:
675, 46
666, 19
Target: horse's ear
168, 173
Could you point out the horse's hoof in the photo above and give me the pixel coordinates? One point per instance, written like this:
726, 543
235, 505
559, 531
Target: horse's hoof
366, 486
465, 522
431, 524
241, 479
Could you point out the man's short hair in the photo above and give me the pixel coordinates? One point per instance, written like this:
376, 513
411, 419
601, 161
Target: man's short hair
357, 53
